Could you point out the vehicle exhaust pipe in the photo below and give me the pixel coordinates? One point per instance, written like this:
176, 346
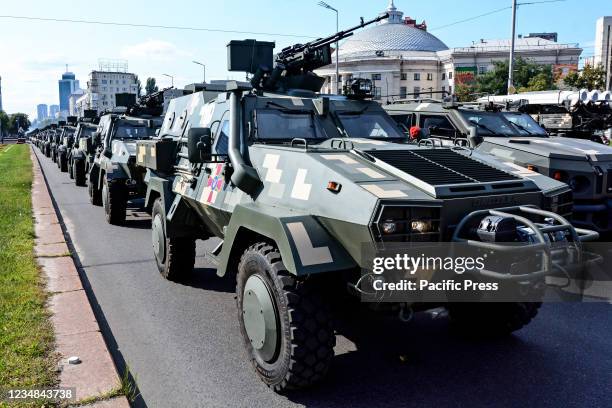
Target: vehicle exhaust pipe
243, 176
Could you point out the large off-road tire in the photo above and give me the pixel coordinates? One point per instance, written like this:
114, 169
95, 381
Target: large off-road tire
114, 201
71, 169
286, 326
491, 319
175, 256
95, 195
78, 168
63, 163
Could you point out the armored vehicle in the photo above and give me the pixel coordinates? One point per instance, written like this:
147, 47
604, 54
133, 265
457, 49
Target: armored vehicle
56, 140
516, 139
48, 140
294, 183
64, 148
579, 114
83, 150
113, 177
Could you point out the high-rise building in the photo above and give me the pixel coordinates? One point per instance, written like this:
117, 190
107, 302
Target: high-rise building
53, 111
67, 85
603, 47
42, 112
102, 88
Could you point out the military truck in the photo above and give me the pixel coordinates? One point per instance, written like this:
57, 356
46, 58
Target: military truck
516, 139
113, 177
294, 183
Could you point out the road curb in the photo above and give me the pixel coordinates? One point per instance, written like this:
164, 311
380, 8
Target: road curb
77, 332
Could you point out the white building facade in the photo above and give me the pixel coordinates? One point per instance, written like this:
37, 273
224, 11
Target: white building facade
403, 59
102, 88
603, 47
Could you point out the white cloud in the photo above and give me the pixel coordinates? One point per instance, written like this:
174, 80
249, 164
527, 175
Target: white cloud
154, 50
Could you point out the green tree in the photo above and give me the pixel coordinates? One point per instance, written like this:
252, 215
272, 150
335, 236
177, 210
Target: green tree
150, 86
4, 121
17, 121
528, 76
590, 78
465, 92
138, 86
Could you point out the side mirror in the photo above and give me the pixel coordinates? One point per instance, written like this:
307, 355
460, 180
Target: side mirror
474, 138
199, 144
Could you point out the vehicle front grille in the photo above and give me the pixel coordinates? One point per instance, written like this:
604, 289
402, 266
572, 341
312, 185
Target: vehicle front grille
442, 166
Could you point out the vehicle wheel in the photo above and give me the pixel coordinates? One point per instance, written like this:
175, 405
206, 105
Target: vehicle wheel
286, 327
95, 196
492, 319
63, 163
114, 201
175, 256
71, 170
79, 173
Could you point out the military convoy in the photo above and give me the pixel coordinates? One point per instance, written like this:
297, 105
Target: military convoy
296, 184
66, 140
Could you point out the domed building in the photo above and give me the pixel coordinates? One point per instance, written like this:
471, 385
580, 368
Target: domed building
404, 60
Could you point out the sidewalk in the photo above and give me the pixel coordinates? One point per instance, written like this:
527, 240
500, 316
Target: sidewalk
76, 330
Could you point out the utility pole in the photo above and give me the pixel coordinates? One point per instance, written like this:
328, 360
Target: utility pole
511, 89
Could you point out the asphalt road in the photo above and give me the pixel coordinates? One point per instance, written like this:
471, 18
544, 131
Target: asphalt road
183, 347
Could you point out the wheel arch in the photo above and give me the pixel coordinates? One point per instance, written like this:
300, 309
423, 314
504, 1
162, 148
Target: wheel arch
305, 246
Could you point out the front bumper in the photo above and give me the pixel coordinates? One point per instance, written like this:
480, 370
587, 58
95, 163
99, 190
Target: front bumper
568, 258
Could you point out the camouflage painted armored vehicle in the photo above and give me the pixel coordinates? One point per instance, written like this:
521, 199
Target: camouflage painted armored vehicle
64, 149
295, 183
516, 139
113, 177
56, 140
83, 150
48, 140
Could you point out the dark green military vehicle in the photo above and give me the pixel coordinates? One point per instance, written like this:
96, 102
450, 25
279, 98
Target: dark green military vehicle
64, 149
517, 140
295, 183
83, 150
113, 177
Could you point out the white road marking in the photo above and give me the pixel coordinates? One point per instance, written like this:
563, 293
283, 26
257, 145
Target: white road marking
309, 255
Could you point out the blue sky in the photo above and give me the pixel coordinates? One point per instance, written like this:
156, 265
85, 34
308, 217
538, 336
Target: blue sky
33, 54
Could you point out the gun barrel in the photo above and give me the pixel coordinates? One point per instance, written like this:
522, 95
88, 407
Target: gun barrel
321, 42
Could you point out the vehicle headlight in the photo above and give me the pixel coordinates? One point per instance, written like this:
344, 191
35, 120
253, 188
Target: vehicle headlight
388, 227
421, 226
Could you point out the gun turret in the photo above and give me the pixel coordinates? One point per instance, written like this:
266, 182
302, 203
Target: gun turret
293, 67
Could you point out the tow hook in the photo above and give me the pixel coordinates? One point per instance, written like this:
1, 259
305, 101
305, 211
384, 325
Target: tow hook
405, 313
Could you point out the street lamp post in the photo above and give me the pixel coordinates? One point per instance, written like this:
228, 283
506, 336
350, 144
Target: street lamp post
327, 6
171, 78
511, 61
204, 70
